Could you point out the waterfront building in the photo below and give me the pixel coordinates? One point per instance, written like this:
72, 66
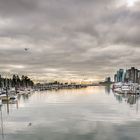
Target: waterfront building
132, 75
108, 80
115, 78
139, 76
119, 77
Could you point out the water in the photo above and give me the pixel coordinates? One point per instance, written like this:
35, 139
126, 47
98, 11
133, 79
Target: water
93, 113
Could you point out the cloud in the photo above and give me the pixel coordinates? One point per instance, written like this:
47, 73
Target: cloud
74, 39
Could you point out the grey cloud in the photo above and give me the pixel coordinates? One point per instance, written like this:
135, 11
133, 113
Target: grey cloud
76, 38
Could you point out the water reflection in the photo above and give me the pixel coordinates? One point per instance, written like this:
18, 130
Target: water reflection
9, 104
1, 118
128, 98
94, 113
108, 89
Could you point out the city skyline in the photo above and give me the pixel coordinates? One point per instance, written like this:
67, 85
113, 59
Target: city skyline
127, 75
80, 40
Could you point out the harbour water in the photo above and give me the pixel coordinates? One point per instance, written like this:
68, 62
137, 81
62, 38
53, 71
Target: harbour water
93, 113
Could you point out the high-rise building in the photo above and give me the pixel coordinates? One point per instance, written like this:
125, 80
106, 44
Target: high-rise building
120, 75
139, 76
132, 75
115, 78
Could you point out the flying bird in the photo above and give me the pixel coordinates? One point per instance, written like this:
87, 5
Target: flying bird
30, 124
26, 49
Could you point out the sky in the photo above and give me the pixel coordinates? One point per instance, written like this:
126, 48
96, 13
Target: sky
73, 40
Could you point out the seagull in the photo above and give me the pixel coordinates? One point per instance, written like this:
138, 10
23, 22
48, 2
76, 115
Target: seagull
26, 49
29, 124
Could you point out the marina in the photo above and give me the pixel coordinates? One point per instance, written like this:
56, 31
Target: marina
69, 70
126, 88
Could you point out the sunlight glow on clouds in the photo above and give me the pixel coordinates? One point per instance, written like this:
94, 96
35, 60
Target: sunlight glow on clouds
17, 66
131, 3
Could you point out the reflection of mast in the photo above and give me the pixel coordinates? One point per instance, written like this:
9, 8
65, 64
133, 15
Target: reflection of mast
7, 107
2, 130
17, 104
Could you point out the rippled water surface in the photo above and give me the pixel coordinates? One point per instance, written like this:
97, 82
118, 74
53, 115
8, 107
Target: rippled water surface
93, 113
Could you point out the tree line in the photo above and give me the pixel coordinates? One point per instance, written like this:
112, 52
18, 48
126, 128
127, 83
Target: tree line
16, 81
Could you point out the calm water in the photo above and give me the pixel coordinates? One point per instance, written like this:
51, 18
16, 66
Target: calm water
93, 113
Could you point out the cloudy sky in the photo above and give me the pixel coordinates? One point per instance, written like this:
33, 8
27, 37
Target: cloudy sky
69, 39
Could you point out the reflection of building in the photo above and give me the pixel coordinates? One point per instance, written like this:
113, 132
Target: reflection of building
130, 99
107, 89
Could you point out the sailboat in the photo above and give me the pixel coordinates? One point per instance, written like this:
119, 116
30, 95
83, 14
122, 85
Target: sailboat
4, 96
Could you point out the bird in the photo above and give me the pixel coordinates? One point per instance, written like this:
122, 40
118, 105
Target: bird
29, 124
26, 49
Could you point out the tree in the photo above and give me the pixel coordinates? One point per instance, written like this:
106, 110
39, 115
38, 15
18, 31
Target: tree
14, 81
18, 81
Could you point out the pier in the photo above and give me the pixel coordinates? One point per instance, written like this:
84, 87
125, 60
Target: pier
48, 86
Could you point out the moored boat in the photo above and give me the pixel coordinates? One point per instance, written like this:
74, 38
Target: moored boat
126, 88
14, 97
4, 97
